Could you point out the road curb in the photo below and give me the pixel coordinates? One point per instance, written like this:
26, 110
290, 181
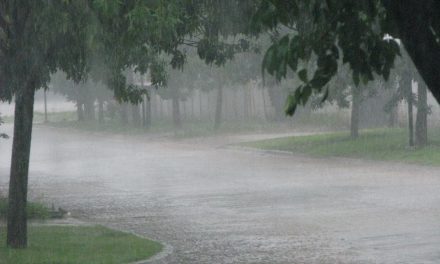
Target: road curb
166, 251
264, 151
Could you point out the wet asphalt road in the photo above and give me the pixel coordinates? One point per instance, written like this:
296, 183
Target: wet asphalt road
214, 204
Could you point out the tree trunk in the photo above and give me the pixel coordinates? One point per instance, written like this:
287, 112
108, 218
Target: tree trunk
45, 106
422, 116
253, 105
123, 113
413, 19
209, 106
218, 107
100, 111
160, 113
147, 103
246, 97
18, 183
355, 111
143, 112
136, 115
410, 123
89, 109
406, 85
410, 117
176, 113
80, 111
263, 95
393, 118
235, 105
184, 110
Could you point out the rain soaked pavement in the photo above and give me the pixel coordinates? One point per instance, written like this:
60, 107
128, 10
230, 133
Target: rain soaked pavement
214, 204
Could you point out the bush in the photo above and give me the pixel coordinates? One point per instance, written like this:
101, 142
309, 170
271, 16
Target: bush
34, 210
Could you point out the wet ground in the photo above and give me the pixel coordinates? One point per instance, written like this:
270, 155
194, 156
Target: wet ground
214, 204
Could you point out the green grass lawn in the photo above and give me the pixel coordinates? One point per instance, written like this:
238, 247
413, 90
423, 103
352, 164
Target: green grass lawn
201, 128
190, 128
197, 128
78, 245
383, 144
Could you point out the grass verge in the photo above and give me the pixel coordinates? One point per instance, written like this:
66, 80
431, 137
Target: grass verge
78, 244
190, 128
382, 144
201, 128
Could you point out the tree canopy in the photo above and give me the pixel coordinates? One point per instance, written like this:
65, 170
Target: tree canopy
361, 33
97, 39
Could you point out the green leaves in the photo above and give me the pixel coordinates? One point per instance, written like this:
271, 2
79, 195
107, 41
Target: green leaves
291, 104
107, 7
287, 52
302, 74
293, 54
299, 97
275, 59
322, 30
272, 13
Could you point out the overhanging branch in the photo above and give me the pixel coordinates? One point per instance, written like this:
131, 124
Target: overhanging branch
414, 20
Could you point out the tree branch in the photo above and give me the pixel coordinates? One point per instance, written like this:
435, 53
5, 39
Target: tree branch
414, 19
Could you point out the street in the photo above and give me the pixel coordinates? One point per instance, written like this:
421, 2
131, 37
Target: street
212, 203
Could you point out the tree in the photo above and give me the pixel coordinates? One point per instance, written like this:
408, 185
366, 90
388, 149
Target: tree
40, 37
404, 75
421, 138
197, 75
218, 106
355, 31
84, 94
355, 109
178, 87
391, 107
417, 24
240, 70
37, 37
342, 91
406, 86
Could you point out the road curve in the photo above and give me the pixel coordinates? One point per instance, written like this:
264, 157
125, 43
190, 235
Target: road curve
213, 204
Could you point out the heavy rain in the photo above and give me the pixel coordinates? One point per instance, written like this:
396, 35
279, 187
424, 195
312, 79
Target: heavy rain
219, 132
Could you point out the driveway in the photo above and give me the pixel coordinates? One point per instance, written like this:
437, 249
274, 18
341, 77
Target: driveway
213, 204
